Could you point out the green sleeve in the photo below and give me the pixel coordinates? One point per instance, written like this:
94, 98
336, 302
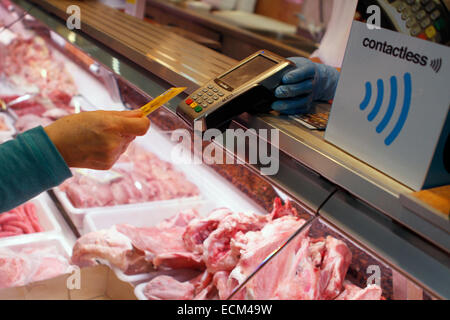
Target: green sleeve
29, 165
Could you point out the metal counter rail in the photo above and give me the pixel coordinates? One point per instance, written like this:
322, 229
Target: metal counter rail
321, 161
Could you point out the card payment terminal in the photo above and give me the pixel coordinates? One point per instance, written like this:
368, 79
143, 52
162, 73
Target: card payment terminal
247, 86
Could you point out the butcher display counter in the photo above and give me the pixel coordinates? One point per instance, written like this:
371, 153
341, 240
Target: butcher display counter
331, 227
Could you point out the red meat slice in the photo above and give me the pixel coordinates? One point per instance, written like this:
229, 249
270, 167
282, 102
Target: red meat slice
13, 270
279, 210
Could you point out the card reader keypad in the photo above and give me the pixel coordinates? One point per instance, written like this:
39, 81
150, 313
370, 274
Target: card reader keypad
204, 98
424, 19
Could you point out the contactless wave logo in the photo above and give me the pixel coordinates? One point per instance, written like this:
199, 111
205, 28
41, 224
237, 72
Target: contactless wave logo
405, 105
436, 65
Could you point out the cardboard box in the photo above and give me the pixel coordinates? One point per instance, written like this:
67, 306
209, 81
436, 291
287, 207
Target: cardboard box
96, 283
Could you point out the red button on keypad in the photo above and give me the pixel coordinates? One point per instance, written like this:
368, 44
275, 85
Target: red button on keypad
189, 101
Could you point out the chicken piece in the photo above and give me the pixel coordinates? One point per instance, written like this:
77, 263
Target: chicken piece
167, 288
352, 292
217, 252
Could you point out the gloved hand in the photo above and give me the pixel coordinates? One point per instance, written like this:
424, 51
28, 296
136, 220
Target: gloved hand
302, 86
95, 140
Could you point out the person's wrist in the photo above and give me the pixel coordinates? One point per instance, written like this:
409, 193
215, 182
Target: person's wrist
56, 140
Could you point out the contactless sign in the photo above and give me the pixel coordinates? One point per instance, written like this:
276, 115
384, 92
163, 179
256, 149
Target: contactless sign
391, 108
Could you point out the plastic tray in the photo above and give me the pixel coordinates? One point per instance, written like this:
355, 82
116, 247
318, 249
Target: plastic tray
140, 217
58, 243
15, 244
212, 186
139, 291
46, 219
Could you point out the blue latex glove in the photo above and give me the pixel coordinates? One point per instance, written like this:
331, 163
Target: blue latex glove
302, 86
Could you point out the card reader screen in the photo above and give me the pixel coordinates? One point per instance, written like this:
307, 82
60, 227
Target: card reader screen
248, 71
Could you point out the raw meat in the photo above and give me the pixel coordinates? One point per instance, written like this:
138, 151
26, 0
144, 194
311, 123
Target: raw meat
3, 125
38, 111
352, 292
256, 246
30, 62
335, 265
113, 247
142, 177
221, 250
13, 270
137, 250
217, 253
163, 246
21, 220
31, 121
50, 267
279, 210
167, 288
199, 229
20, 267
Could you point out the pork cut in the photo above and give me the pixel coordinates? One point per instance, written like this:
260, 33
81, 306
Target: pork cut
217, 252
110, 246
353, 292
168, 288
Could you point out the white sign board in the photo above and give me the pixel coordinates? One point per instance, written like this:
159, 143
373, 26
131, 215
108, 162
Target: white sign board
391, 107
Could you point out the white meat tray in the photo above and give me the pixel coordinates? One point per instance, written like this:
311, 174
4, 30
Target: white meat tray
211, 185
46, 220
57, 243
140, 217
